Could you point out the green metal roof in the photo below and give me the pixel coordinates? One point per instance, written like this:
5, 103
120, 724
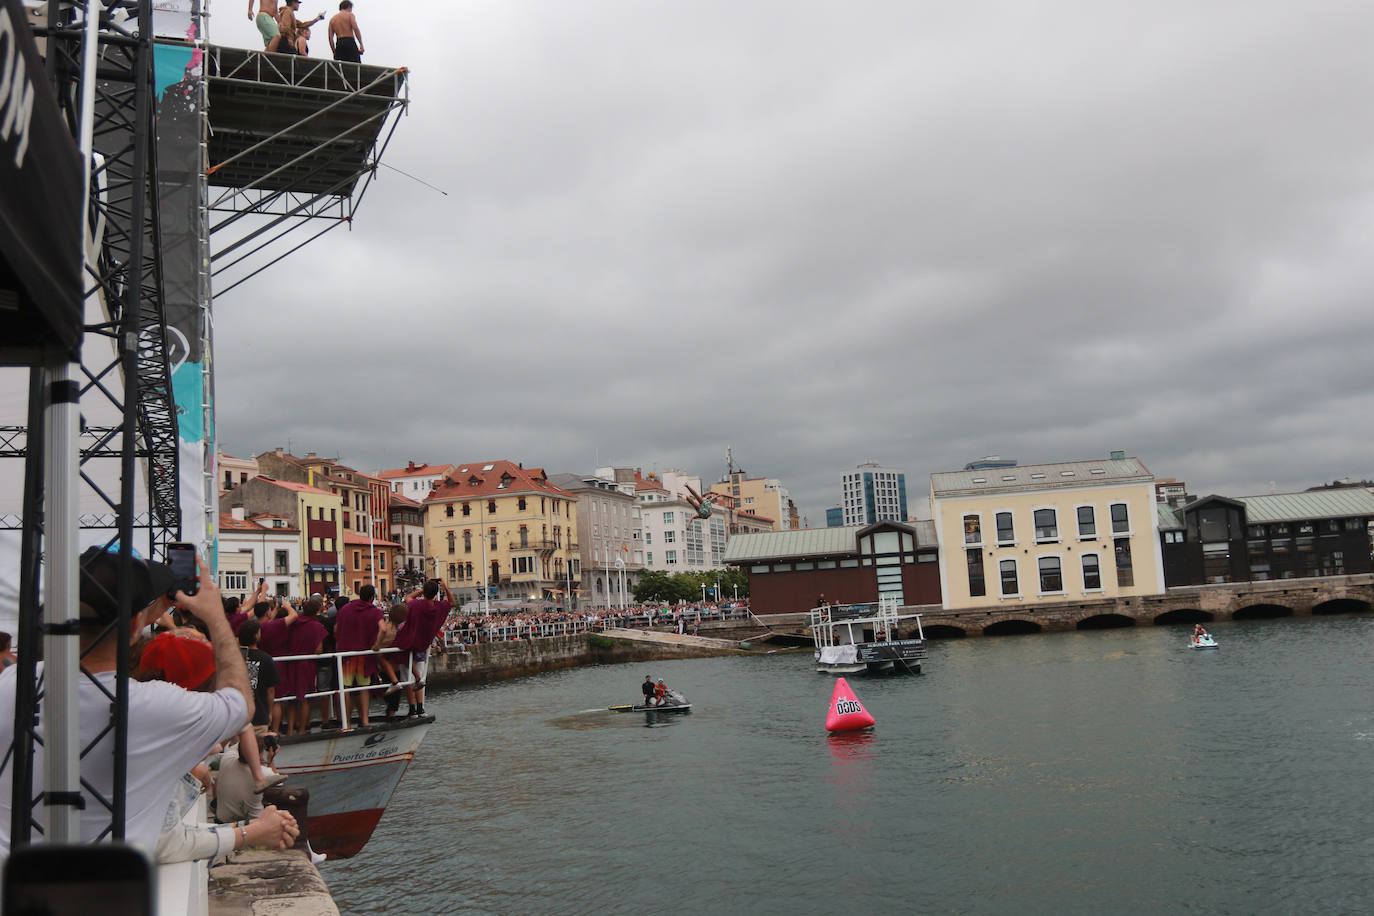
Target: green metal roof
1346, 502
1169, 519
812, 542
806, 542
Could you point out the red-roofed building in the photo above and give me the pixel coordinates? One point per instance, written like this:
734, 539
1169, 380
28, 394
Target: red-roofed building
414, 481
361, 496
503, 528
315, 514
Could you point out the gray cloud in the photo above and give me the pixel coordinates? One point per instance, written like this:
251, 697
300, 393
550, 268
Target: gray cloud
911, 232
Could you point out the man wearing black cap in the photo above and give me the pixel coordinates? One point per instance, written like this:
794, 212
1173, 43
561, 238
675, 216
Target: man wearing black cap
170, 729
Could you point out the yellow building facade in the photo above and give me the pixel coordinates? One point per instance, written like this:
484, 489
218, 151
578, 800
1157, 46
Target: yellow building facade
501, 527
761, 496
1035, 534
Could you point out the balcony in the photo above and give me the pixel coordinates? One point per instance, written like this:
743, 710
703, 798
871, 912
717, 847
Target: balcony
535, 544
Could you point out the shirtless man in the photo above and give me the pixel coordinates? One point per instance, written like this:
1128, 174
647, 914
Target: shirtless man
266, 22
345, 39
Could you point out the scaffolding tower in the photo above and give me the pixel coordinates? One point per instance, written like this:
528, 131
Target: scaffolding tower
280, 144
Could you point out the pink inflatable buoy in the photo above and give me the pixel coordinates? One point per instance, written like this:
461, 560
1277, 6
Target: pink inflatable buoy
846, 713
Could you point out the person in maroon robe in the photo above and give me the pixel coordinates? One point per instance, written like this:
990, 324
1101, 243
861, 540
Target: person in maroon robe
304, 636
272, 638
355, 630
425, 616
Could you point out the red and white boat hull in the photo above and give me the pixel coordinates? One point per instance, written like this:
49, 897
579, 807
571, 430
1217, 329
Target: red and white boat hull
351, 776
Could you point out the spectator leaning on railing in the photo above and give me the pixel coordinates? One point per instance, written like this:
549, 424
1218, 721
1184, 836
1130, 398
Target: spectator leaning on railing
170, 729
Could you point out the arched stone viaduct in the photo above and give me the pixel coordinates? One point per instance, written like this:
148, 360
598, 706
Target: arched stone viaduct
1181, 605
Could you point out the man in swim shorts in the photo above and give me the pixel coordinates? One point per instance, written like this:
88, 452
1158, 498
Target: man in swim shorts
345, 39
266, 21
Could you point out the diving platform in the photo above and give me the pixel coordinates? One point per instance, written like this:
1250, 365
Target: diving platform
290, 141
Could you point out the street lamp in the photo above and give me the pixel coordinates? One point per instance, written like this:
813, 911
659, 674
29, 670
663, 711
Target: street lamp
486, 575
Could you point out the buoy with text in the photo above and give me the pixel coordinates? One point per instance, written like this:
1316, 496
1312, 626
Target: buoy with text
846, 713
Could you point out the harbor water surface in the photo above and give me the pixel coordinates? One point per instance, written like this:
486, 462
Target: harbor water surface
1091, 772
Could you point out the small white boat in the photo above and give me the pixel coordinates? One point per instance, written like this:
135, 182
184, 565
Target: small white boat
1205, 641
856, 638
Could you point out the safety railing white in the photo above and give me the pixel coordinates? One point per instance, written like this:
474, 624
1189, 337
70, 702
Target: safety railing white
338, 659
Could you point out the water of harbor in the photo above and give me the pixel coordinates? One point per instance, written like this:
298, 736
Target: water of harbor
1109, 771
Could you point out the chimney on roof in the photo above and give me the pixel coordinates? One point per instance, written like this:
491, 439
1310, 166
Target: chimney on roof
410, 466
237, 512
279, 451
310, 454
1118, 455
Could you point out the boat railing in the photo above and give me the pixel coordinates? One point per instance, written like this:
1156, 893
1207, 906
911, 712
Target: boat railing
338, 659
827, 619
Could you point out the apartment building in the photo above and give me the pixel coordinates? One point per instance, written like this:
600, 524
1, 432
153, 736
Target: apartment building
414, 481
499, 528
1047, 532
263, 546
871, 493
316, 514
610, 543
408, 531
759, 496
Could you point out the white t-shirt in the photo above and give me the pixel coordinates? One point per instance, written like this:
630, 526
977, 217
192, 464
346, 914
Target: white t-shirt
170, 731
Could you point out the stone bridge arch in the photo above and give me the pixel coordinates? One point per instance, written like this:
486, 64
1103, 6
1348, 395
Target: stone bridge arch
1105, 622
945, 631
1342, 606
1012, 627
1262, 612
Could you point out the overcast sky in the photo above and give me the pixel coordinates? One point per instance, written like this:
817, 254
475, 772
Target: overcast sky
821, 233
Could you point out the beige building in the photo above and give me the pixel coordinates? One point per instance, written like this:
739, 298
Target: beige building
1047, 532
498, 526
759, 496
234, 472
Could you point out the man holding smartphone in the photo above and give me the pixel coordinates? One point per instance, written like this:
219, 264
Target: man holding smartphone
170, 729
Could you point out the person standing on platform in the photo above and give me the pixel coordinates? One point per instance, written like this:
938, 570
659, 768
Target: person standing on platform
345, 38
355, 629
291, 27
425, 616
266, 21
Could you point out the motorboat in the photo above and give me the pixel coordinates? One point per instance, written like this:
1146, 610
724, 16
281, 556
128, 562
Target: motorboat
672, 702
1203, 641
862, 639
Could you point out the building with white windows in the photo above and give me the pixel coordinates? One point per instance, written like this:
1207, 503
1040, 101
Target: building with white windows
759, 496
675, 539
871, 493
611, 544
1042, 533
407, 529
264, 546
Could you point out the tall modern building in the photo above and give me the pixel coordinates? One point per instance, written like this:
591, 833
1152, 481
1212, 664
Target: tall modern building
873, 494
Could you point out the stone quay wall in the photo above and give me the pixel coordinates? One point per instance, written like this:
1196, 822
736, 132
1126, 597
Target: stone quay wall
494, 661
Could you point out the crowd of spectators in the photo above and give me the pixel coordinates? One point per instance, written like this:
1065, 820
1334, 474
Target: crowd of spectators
213, 685
469, 628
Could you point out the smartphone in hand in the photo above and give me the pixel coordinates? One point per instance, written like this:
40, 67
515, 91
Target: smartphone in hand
181, 558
